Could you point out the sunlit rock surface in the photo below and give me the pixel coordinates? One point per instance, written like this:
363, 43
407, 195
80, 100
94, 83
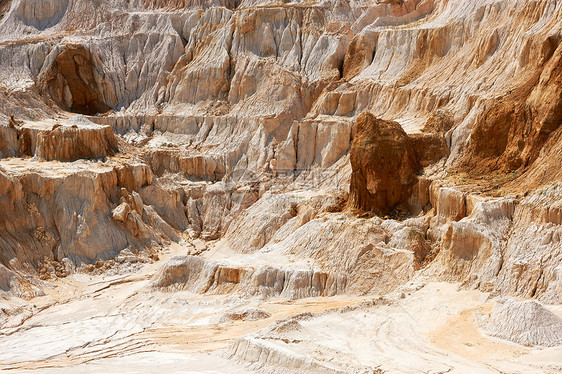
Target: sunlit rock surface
239, 186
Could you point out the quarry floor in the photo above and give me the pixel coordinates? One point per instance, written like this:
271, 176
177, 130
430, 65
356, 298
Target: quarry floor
113, 324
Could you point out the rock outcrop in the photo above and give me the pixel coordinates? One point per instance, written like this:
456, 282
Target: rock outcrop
524, 119
485, 242
383, 163
248, 314
71, 140
71, 83
203, 276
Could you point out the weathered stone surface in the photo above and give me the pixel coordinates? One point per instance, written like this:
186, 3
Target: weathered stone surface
384, 165
203, 276
225, 130
73, 139
121, 212
76, 210
429, 148
71, 83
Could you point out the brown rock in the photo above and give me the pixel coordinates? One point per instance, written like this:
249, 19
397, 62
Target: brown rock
69, 143
439, 121
359, 55
429, 148
383, 165
120, 213
512, 132
76, 139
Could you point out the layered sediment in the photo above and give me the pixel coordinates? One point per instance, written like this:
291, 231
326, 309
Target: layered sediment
194, 171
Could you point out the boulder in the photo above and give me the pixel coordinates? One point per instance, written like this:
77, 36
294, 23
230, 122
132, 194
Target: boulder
121, 212
383, 165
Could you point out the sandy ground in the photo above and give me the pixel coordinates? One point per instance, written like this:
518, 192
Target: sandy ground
94, 324
431, 330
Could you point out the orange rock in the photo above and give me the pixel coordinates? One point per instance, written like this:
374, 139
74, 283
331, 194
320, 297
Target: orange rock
383, 165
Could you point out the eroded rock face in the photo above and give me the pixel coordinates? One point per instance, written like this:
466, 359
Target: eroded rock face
68, 141
58, 215
41, 14
429, 148
288, 81
384, 165
204, 276
520, 113
485, 242
241, 125
72, 83
80, 211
